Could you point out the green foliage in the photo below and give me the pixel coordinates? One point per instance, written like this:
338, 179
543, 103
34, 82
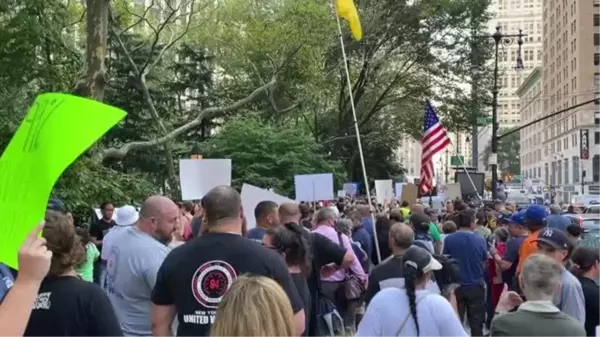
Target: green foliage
268, 156
411, 50
509, 149
86, 184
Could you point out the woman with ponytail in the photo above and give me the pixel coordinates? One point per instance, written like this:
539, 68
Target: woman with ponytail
412, 310
292, 242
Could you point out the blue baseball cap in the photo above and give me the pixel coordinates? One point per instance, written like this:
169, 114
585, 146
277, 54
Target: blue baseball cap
518, 218
554, 237
536, 213
55, 204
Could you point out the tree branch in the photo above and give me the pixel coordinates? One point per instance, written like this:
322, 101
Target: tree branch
204, 114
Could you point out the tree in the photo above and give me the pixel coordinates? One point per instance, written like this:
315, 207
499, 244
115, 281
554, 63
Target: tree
269, 156
411, 51
509, 148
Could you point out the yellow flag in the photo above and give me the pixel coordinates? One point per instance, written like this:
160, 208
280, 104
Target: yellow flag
347, 11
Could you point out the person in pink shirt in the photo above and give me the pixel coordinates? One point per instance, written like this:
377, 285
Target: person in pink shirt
332, 279
187, 210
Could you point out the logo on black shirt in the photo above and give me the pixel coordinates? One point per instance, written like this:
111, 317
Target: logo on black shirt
211, 281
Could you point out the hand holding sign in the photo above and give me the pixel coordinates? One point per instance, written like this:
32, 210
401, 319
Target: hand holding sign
57, 129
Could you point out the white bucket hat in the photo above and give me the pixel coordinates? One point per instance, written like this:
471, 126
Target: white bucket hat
126, 216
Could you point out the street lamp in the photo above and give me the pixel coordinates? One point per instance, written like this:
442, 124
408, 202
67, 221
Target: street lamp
506, 40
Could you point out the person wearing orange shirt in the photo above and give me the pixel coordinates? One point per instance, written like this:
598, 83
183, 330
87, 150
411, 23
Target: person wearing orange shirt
535, 219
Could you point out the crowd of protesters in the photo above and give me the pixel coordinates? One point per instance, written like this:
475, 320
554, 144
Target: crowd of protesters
340, 267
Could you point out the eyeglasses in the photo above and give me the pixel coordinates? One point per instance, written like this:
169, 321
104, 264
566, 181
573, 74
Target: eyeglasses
269, 247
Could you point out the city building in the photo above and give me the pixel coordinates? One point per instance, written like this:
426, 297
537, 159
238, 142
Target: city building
531, 146
511, 16
571, 40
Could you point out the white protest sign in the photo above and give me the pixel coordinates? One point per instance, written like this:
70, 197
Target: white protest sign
341, 193
198, 176
351, 188
398, 190
384, 191
453, 191
252, 196
314, 187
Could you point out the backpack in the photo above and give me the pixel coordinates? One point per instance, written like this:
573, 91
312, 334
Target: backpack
450, 272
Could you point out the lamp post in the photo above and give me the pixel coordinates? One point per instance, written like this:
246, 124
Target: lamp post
505, 40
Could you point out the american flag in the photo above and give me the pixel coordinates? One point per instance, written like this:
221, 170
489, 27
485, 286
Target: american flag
435, 139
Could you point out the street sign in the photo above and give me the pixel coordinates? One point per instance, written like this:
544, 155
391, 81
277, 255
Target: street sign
584, 141
457, 160
483, 121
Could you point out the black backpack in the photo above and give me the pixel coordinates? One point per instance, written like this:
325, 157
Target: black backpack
450, 272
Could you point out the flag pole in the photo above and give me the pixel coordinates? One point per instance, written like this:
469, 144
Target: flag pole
360, 151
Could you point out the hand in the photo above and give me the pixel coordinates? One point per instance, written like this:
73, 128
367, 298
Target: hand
508, 300
493, 251
328, 270
34, 257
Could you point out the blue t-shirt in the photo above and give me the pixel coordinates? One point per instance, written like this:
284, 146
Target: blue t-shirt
470, 251
6, 281
512, 255
367, 223
256, 234
360, 235
558, 221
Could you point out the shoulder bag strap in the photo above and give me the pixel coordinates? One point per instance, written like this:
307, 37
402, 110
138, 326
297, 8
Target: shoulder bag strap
409, 314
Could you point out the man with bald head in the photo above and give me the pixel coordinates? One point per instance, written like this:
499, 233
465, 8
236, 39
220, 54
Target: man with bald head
133, 261
389, 273
289, 211
195, 276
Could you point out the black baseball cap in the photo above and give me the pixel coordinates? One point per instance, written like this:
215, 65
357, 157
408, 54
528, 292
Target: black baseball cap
553, 237
420, 259
504, 217
419, 220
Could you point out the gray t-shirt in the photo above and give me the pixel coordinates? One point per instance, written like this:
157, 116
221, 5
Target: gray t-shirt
569, 299
133, 262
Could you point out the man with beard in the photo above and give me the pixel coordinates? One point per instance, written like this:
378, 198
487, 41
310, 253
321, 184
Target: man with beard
133, 262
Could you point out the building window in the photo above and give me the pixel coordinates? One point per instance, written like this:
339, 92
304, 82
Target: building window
596, 39
596, 20
559, 173
597, 137
596, 59
566, 171
575, 169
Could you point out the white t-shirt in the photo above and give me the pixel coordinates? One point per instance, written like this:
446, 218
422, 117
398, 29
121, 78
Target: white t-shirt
389, 308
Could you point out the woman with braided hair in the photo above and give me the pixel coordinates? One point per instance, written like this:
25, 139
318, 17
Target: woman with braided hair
411, 310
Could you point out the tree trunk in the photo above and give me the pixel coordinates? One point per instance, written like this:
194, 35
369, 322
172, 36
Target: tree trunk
94, 82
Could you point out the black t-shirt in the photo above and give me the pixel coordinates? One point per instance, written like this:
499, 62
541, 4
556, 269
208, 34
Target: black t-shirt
195, 276
302, 287
591, 293
99, 228
389, 269
324, 252
69, 306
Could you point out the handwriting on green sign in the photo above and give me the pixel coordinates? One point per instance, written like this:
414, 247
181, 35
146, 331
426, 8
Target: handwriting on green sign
58, 128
